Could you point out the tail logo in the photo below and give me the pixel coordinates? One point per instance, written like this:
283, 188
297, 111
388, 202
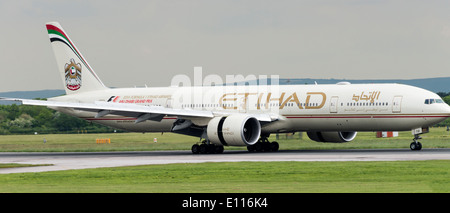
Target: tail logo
73, 75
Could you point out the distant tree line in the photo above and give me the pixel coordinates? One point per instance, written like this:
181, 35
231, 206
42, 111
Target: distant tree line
446, 98
443, 94
23, 119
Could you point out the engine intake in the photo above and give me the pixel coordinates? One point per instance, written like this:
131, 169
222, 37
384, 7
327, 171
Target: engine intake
234, 130
332, 137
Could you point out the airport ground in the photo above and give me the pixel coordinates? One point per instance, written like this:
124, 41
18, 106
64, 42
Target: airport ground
242, 177
429, 176
437, 138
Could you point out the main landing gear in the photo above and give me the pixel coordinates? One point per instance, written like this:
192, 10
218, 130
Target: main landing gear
416, 145
206, 148
263, 145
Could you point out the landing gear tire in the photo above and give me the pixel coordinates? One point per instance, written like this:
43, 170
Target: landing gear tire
195, 149
264, 147
218, 149
207, 149
251, 148
203, 149
274, 146
415, 146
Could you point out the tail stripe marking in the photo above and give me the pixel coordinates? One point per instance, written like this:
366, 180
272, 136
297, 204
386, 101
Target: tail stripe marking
57, 34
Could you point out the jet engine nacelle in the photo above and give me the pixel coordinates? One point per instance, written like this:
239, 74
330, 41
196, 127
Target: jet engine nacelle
332, 137
234, 130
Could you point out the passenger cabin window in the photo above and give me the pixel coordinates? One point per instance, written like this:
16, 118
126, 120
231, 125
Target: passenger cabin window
432, 101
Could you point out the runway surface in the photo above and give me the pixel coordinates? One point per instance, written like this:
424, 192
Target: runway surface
84, 160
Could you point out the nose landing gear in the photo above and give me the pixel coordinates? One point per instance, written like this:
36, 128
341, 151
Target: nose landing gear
416, 145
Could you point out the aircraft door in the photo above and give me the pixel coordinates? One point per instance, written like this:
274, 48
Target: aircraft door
397, 104
334, 104
169, 103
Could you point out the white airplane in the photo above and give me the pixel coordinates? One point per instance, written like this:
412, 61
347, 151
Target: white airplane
241, 115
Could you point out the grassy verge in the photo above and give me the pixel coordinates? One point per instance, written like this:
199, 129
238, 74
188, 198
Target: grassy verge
238, 177
243, 177
437, 138
16, 165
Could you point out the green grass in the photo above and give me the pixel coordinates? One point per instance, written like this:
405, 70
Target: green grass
15, 165
437, 138
236, 177
243, 177
87, 142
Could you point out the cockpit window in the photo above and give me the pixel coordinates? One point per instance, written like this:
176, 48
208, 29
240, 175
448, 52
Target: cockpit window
432, 101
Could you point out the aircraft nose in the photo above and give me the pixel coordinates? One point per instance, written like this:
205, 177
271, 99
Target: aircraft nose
447, 110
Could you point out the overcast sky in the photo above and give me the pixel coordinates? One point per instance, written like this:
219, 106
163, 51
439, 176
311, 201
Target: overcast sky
133, 43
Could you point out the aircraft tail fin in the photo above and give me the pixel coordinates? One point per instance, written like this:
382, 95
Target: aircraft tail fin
77, 74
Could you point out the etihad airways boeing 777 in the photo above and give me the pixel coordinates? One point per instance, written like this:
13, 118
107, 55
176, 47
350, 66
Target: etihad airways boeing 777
241, 115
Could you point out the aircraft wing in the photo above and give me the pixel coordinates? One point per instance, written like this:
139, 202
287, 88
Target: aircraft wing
140, 112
